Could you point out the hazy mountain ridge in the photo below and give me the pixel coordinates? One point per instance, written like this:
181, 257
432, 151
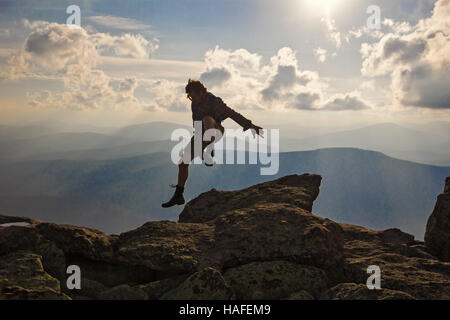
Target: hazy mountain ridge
391, 139
413, 144
362, 187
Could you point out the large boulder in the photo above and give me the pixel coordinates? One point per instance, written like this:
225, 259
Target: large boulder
298, 190
276, 231
168, 247
404, 265
77, 241
206, 284
22, 276
10, 220
275, 280
15, 238
156, 289
437, 235
271, 220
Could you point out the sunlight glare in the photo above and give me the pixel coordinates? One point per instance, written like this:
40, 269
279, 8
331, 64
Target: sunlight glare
325, 5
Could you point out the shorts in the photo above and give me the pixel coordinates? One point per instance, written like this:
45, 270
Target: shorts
189, 149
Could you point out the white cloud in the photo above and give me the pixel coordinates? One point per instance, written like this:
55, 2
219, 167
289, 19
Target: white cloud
305, 101
119, 23
228, 67
167, 95
239, 59
368, 85
391, 51
236, 75
215, 76
72, 54
416, 58
285, 80
422, 86
54, 46
398, 27
280, 84
343, 102
321, 54
334, 34
126, 45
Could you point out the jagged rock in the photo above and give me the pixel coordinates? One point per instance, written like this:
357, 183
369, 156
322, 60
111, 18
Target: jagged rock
89, 243
301, 295
204, 284
10, 219
277, 231
353, 291
156, 289
22, 276
16, 238
90, 289
276, 212
437, 235
274, 280
170, 247
124, 292
297, 190
246, 233
404, 266
396, 236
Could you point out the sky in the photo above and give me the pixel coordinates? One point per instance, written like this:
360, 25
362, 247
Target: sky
280, 63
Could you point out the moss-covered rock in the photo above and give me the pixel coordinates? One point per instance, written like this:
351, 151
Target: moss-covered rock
353, 291
437, 235
89, 243
22, 276
124, 292
263, 239
277, 231
297, 190
301, 295
156, 289
207, 284
274, 280
166, 246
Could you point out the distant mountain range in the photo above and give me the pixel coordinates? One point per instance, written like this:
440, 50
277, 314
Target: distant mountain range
360, 187
428, 144
115, 178
391, 139
46, 143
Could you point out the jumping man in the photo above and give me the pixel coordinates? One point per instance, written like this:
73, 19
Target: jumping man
211, 111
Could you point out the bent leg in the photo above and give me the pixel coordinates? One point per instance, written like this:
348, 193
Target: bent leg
208, 122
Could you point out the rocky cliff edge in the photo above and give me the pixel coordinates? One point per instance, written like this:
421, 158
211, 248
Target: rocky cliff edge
262, 242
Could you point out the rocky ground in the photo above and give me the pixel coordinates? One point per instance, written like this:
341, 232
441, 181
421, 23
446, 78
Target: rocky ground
262, 242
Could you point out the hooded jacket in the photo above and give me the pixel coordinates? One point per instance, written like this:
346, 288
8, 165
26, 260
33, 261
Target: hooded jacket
213, 106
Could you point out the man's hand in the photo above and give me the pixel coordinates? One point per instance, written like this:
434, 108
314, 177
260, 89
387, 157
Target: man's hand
256, 129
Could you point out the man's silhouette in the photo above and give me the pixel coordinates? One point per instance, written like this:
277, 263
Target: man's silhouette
211, 111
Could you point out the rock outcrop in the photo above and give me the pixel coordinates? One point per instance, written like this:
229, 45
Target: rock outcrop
437, 235
262, 242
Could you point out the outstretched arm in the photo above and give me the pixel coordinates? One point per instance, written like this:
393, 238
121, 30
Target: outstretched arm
223, 112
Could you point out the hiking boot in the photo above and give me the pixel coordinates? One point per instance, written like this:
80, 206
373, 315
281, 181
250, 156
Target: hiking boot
176, 199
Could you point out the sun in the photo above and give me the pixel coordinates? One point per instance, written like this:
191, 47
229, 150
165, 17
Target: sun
325, 5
